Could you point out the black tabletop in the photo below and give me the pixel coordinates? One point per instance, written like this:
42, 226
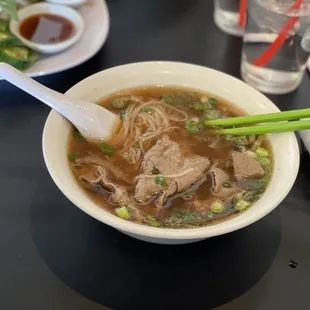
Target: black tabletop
53, 256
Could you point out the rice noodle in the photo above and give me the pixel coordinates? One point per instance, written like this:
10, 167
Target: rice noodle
141, 127
167, 176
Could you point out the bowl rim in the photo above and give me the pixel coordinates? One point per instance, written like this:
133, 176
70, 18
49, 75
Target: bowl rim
167, 233
78, 23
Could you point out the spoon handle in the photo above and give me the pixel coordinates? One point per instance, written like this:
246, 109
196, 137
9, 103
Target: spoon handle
85, 116
53, 99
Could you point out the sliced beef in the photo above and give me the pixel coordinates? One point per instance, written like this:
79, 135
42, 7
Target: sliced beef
146, 188
218, 176
97, 176
246, 167
93, 159
166, 160
191, 172
164, 156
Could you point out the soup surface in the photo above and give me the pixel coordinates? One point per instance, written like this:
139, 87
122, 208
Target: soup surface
162, 167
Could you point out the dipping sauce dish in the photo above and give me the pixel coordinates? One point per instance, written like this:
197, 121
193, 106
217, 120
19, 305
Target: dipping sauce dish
48, 28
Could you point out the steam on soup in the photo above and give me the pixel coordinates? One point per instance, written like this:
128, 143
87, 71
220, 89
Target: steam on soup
163, 168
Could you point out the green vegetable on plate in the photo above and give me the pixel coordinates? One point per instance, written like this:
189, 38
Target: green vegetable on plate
19, 57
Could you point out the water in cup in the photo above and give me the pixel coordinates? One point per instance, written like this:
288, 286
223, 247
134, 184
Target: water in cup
276, 44
227, 17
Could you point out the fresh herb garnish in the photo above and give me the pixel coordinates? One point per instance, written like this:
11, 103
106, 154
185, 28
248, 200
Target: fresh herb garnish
147, 109
167, 98
72, 156
151, 220
202, 106
107, 149
191, 127
160, 180
212, 101
228, 137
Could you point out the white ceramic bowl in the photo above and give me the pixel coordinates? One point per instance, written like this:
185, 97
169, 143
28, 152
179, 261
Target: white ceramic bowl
60, 10
57, 129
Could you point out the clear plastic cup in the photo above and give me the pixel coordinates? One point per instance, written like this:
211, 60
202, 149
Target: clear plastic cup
276, 44
227, 16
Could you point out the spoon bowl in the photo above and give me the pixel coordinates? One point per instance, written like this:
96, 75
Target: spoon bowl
85, 116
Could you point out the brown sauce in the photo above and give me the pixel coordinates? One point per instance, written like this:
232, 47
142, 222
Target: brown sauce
46, 28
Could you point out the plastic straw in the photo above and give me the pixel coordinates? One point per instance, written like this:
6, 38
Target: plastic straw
273, 48
242, 12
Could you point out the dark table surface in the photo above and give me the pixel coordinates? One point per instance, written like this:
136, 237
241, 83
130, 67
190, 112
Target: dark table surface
53, 256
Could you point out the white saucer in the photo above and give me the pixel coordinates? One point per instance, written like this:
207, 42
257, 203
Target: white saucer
97, 23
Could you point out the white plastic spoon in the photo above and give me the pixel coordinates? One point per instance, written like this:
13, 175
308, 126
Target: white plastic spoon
93, 121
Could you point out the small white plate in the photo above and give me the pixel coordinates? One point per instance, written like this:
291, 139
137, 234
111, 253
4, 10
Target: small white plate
97, 23
73, 3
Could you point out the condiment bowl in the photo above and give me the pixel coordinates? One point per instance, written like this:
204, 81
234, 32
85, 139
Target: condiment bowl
284, 146
46, 8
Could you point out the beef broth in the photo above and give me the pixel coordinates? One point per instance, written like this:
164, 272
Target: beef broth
169, 169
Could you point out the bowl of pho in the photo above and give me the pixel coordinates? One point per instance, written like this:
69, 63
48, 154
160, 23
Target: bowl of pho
163, 176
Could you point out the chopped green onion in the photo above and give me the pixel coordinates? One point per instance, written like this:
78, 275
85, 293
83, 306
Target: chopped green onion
226, 184
151, 221
241, 205
119, 104
123, 213
160, 180
210, 215
264, 161
212, 101
217, 207
202, 106
228, 163
191, 127
167, 98
211, 114
147, 109
189, 217
123, 115
72, 156
107, 149
242, 140
261, 152
228, 137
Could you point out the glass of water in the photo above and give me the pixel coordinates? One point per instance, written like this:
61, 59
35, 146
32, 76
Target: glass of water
276, 44
229, 16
